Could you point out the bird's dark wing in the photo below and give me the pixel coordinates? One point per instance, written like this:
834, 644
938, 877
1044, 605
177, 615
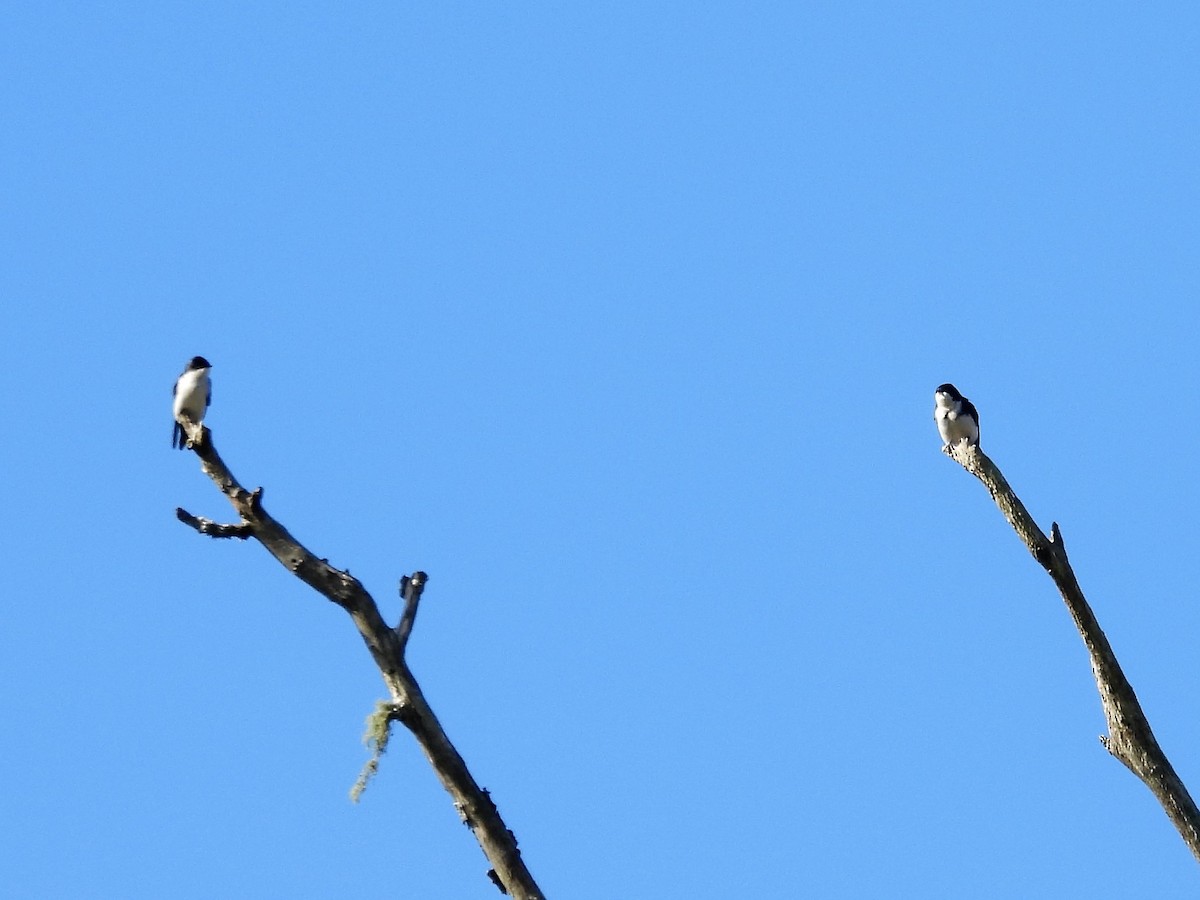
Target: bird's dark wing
969, 409
208, 399
177, 437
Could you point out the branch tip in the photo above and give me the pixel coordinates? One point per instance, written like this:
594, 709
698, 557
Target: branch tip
1056, 539
414, 583
240, 530
411, 587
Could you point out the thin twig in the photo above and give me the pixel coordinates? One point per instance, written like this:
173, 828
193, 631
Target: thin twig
214, 529
411, 587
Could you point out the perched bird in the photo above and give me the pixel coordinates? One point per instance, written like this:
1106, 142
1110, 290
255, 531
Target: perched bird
956, 417
193, 393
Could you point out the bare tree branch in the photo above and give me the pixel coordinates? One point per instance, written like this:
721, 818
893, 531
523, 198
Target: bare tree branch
1129, 738
387, 645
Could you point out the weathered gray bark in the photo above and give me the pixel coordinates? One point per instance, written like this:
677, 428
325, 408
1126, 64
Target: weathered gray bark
1129, 736
387, 646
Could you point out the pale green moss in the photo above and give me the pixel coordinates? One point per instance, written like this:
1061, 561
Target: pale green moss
379, 730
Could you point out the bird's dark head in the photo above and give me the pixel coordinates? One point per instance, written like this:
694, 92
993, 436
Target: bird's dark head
949, 390
198, 362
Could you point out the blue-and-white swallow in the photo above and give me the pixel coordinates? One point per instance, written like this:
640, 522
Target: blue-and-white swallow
956, 417
193, 393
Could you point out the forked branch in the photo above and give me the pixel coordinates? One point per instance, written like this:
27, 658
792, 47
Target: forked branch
1129, 737
387, 646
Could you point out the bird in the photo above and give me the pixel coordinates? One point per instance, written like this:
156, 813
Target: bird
193, 394
956, 416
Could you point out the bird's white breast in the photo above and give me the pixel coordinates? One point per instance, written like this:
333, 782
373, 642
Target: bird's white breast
954, 425
191, 394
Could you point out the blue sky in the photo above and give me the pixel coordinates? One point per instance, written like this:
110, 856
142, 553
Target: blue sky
622, 322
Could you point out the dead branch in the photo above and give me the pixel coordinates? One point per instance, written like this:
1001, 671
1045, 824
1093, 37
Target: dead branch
1129, 738
387, 646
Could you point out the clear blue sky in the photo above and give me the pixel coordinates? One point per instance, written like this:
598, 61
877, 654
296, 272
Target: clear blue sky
623, 322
